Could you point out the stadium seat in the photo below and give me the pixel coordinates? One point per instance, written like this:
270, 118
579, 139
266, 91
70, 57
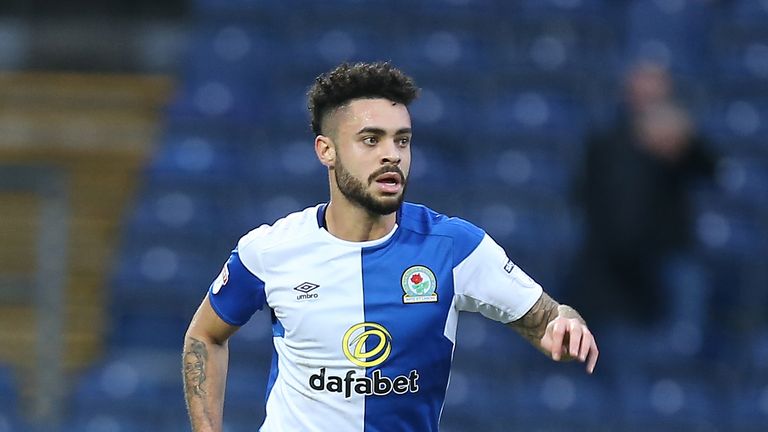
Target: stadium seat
108, 422
200, 156
673, 33
9, 395
165, 278
459, 53
508, 89
546, 114
253, 342
683, 397
565, 7
749, 12
522, 167
130, 386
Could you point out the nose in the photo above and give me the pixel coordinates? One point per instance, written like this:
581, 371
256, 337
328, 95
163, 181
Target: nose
392, 153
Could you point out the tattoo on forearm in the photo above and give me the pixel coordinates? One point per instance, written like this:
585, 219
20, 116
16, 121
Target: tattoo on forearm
195, 359
534, 323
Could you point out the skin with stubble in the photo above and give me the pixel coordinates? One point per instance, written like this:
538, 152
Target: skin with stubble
366, 148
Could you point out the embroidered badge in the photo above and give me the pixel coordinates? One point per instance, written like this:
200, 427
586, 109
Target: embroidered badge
419, 285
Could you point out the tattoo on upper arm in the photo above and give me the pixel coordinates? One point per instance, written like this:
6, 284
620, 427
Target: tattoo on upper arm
195, 359
533, 324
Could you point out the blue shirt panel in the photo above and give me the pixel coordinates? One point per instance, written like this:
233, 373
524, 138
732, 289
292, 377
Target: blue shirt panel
241, 296
466, 236
428, 239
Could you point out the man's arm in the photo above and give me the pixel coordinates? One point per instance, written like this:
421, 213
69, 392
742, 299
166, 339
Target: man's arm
558, 331
204, 369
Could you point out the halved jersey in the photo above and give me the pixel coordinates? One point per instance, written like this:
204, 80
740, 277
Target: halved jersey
364, 332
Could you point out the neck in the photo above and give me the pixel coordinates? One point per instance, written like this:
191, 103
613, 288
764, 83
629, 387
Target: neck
349, 221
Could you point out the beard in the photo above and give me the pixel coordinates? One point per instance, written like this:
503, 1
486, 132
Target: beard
357, 192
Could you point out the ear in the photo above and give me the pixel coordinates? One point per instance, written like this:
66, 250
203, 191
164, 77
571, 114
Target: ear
325, 150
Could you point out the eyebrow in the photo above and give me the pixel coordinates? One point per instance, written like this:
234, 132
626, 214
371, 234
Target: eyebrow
380, 131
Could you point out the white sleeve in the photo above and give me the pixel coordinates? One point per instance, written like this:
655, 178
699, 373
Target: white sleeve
488, 282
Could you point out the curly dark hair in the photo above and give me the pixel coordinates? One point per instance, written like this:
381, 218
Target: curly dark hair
360, 80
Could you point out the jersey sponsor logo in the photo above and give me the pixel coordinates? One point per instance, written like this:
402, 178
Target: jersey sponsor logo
221, 280
354, 346
376, 384
419, 285
304, 288
509, 266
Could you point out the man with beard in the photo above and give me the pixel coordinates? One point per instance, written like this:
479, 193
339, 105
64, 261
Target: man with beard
364, 291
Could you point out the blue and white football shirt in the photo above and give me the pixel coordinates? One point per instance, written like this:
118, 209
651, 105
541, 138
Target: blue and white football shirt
364, 332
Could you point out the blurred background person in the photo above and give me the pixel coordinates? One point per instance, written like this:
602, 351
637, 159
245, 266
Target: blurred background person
634, 190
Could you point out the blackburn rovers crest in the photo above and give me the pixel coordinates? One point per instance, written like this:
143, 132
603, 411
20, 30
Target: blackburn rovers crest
419, 285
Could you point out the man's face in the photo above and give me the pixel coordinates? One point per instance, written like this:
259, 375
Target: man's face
372, 140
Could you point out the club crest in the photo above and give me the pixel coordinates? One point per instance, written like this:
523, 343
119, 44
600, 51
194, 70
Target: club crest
419, 285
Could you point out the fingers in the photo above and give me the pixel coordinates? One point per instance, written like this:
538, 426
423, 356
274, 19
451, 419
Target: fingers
592, 357
586, 344
568, 339
558, 333
575, 332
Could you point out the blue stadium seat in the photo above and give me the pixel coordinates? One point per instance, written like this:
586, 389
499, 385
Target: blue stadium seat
744, 62
732, 233
749, 12
174, 212
165, 276
685, 397
142, 385
518, 166
749, 402
97, 421
672, 32
446, 115
529, 112
235, 101
518, 393
486, 345
133, 328
287, 159
460, 52
9, 422
234, 48
553, 52
315, 48
740, 117
437, 170
253, 342
559, 395
561, 7
9, 396
238, 8
196, 155
745, 178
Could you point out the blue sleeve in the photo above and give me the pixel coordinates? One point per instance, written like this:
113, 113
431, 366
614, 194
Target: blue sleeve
237, 293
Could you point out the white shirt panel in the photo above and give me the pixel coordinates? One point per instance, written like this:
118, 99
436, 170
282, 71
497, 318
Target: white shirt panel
285, 256
488, 282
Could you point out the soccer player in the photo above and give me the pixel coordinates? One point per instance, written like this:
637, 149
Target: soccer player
365, 290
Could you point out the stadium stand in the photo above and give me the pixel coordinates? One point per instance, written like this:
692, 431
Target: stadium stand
509, 89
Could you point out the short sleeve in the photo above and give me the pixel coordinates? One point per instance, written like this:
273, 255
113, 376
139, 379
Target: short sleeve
236, 293
487, 281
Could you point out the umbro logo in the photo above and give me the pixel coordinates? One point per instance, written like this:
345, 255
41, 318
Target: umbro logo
305, 288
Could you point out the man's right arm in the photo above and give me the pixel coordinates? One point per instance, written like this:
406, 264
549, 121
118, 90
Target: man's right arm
204, 369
